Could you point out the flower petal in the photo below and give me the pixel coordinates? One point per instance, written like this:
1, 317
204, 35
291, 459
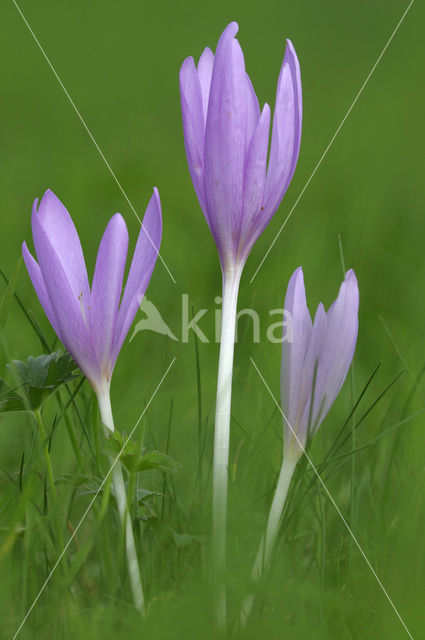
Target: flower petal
52, 219
309, 396
286, 135
69, 312
255, 176
340, 343
106, 291
142, 265
225, 144
39, 286
294, 351
205, 68
193, 126
253, 111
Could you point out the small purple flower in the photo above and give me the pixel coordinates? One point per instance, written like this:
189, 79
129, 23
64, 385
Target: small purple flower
315, 363
227, 139
91, 323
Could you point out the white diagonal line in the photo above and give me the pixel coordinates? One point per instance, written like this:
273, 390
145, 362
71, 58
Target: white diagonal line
91, 503
83, 122
333, 138
338, 510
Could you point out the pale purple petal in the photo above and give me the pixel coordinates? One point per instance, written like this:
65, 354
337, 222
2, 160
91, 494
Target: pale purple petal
205, 68
310, 387
308, 406
225, 144
253, 111
106, 291
71, 319
255, 176
142, 265
39, 286
338, 349
286, 134
52, 219
193, 126
294, 351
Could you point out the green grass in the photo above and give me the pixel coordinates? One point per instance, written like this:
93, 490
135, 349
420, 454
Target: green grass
120, 63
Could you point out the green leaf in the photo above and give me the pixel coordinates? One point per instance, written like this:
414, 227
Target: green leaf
157, 460
135, 457
39, 377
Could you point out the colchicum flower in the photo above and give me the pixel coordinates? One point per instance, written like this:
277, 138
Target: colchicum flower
316, 361
316, 357
227, 139
239, 189
91, 323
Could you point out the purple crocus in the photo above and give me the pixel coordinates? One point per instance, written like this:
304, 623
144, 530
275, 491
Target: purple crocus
227, 139
316, 361
91, 322
239, 187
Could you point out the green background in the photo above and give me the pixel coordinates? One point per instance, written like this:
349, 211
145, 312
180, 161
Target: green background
119, 62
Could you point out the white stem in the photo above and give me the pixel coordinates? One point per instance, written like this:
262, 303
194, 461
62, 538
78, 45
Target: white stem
121, 497
221, 440
267, 543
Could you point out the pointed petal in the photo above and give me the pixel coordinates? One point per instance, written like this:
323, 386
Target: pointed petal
52, 219
205, 67
253, 111
68, 311
39, 286
294, 351
286, 135
142, 265
255, 176
309, 400
193, 125
340, 343
106, 291
225, 143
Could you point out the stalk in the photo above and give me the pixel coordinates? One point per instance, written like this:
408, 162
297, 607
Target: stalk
267, 543
231, 281
121, 497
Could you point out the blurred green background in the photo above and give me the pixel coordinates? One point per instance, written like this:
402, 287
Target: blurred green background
120, 63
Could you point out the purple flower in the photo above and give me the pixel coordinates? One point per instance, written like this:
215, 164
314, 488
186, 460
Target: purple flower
316, 361
91, 323
227, 139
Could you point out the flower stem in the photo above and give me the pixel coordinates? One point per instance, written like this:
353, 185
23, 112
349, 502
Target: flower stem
221, 441
121, 497
265, 549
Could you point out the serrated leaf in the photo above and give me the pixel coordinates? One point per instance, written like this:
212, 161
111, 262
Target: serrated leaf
135, 457
157, 460
39, 376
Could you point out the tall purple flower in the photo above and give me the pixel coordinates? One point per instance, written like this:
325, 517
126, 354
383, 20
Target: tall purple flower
315, 363
239, 189
227, 139
91, 322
